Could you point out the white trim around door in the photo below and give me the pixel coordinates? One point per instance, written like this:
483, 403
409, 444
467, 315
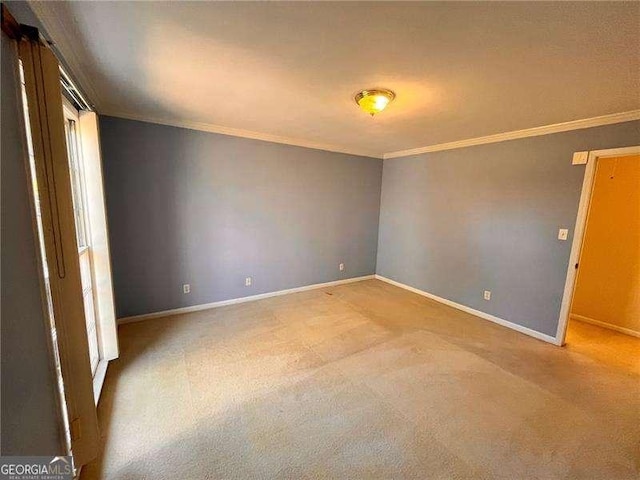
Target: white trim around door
579, 230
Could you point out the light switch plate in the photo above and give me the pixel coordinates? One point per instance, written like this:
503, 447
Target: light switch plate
563, 233
580, 158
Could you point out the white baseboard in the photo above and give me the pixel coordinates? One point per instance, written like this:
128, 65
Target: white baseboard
472, 311
233, 301
626, 331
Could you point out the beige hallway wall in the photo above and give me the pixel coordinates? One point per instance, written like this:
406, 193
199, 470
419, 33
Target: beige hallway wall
608, 286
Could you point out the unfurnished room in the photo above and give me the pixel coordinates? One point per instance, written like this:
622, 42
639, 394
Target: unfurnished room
320, 240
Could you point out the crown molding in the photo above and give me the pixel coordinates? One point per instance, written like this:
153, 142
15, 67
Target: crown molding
59, 28
237, 132
500, 137
527, 132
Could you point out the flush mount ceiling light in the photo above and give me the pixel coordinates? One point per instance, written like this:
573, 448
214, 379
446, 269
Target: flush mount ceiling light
374, 100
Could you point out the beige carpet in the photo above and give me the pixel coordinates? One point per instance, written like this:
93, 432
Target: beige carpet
362, 381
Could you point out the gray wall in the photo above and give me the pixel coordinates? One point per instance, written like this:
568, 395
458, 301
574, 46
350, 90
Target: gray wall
458, 222
29, 409
186, 206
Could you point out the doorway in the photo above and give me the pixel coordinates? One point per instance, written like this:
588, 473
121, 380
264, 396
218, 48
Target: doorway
602, 319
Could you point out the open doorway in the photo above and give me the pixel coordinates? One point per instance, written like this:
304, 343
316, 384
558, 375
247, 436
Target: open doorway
603, 317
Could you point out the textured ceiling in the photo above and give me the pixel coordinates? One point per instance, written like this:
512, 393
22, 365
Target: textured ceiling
460, 70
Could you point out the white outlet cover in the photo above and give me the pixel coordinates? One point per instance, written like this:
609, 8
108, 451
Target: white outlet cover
487, 295
247, 282
563, 234
341, 266
186, 288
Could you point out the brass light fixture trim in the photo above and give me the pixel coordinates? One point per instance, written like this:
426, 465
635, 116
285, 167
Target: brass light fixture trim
374, 100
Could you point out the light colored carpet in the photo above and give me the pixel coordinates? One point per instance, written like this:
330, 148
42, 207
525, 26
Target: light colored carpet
362, 381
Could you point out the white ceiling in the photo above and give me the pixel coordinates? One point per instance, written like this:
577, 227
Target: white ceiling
460, 70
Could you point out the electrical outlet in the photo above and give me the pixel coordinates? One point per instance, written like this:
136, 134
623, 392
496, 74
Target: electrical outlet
487, 295
563, 233
341, 267
248, 281
186, 288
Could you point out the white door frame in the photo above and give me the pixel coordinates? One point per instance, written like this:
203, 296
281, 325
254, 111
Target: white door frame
579, 231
